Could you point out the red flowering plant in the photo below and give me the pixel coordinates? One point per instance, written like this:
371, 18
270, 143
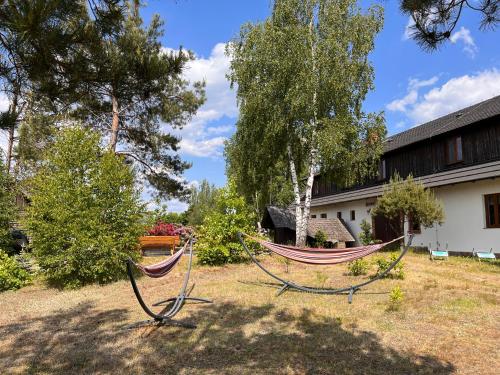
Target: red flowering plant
168, 229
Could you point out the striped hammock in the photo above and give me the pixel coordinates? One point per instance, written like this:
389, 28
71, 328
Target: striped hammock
164, 267
321, 255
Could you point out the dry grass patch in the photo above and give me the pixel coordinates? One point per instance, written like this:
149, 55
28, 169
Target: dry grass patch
449, 312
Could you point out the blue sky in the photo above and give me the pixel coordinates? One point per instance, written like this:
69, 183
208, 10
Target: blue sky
412, 86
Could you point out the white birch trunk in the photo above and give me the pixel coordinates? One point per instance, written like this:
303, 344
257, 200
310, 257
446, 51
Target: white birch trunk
302, 235
296, 192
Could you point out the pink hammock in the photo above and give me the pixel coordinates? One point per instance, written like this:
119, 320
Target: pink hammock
164, 267
321, 255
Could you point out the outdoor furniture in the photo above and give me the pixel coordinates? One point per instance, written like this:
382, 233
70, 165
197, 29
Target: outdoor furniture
153, 243
319, 256
487, 255
160, 270
439, 254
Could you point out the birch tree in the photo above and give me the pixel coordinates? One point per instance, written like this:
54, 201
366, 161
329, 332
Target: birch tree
302, 76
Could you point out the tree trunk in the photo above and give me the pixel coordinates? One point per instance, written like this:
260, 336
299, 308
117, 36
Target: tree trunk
308, 196
11, 133
115, 125
296, 192
302, 234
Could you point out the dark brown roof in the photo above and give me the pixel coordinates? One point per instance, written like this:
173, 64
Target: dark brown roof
464, 117
334, 230
275, 217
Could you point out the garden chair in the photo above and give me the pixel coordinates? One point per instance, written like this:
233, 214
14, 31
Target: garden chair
438, 254
486, 255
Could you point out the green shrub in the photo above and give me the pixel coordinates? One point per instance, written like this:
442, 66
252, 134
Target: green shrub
395, 299
319, 239
217, 238
321, 278
383, 264
366, 236
12, 275
8, 211
357, 267
84, 217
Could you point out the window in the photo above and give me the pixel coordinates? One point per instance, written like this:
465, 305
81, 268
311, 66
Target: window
414, 226
313, 216
323, 216
339, 215
382, 172
454, 150
492, 203
353, 215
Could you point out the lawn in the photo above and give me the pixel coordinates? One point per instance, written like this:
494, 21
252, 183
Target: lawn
448, 323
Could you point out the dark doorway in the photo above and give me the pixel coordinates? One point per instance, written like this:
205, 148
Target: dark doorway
386, 229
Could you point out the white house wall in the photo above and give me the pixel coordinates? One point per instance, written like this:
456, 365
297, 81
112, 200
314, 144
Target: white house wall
361, 212
465, 220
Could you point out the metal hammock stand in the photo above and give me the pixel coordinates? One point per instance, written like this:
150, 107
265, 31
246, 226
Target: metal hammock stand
308, 289
165, 317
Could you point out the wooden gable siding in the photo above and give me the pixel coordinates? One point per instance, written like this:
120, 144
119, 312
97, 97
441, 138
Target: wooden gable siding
480, 144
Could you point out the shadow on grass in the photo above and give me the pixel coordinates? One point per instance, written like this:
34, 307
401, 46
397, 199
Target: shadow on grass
230, 339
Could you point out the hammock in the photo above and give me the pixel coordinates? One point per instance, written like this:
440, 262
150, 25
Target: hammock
319, 256
159, 270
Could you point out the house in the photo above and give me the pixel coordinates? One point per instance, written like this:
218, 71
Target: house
281, 223
458, 157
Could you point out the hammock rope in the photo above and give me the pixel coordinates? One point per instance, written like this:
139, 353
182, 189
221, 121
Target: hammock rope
159, 270
310, 256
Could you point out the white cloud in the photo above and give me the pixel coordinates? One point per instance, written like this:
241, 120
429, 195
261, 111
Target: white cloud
456, 93
199, 137
175, 205
411, 97
210, 147
464, 35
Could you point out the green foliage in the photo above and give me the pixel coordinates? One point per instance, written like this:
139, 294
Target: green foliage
320, 239
384, 263
12, 275
85, 215
8, 212
358, 267
396, 298
201, 202
435, 20
217, 238
161, 214
366, 236
321, 278
407, 199
300, 91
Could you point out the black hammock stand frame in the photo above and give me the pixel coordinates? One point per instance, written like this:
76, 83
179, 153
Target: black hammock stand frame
177, 302
308, 289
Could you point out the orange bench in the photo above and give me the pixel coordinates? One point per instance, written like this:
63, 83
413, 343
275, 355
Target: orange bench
167, 242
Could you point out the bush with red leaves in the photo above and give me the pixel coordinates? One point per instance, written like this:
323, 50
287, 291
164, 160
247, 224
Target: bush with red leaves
168, 229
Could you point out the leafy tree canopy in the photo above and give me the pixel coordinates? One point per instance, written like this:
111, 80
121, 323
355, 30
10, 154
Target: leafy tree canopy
8, 212
85, 214
407, 199
201, 202
217, 238
302, 77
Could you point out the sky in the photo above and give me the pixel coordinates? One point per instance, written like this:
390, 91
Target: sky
411, 86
